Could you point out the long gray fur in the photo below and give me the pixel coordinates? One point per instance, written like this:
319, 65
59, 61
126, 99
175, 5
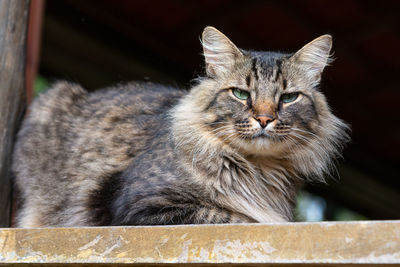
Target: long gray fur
144, 153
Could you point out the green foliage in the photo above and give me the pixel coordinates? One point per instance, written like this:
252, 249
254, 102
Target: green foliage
41, 85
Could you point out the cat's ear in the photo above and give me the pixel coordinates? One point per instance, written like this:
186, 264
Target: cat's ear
314, 56
219, 52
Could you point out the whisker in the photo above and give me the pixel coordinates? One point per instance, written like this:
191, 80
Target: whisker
304, 131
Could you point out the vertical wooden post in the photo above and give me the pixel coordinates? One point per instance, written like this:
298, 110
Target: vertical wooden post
13, 24
36, 10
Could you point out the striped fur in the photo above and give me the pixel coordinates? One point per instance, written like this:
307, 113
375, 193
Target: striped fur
145, 154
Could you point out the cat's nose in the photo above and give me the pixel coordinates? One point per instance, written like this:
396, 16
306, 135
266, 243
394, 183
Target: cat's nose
264, 119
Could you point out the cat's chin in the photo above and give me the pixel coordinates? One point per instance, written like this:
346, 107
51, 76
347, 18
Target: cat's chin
261, 145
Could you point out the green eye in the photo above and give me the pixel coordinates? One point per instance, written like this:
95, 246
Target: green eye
287, 98
241, 94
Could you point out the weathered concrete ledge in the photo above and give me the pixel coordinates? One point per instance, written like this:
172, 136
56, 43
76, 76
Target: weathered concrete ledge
327, 243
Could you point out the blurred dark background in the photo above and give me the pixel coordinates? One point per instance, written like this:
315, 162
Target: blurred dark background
98, 43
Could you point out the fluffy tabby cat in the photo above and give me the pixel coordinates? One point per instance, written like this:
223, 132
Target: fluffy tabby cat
233, 149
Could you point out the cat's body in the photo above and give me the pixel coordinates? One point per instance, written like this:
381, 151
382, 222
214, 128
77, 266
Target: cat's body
143, 153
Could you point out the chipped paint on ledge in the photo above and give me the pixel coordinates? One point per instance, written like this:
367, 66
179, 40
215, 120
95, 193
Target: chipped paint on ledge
373, 242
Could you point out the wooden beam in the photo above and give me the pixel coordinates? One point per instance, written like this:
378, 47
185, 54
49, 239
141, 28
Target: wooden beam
13, 22
330, 243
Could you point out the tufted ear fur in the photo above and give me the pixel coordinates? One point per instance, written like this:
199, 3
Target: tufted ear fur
314, 56
219, 52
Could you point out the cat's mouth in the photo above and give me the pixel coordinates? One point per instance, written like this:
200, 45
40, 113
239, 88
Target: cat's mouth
263, 134
268, 134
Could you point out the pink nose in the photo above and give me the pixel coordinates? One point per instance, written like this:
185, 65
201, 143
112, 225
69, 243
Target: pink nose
264, 119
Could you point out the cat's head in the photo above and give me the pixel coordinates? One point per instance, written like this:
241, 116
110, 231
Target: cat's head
266, 103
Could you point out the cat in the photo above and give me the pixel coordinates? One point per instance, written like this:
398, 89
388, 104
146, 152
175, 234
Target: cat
233, 149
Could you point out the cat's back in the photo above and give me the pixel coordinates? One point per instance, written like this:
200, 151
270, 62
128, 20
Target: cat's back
72, 140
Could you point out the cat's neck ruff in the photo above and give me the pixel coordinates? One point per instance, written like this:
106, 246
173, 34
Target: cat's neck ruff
256, 185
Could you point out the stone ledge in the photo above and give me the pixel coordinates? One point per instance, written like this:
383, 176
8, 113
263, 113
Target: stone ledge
326, 243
